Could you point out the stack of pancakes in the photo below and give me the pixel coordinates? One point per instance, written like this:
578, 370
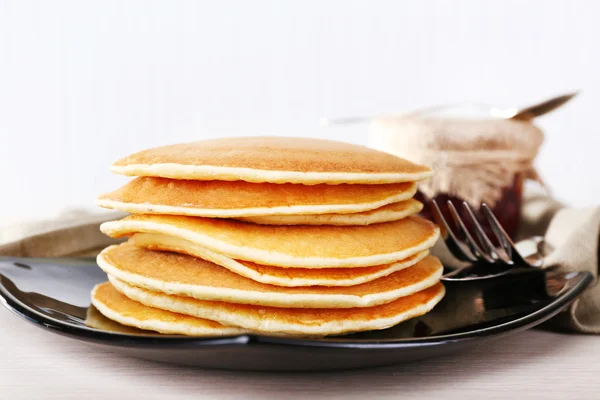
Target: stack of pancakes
276, 235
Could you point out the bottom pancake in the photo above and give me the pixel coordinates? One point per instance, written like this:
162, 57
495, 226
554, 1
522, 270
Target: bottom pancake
95, 319
117, 307
290, 321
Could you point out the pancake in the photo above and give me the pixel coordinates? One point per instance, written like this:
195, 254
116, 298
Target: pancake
387, 213
296, 321
274, 275
117, 307
222, 199
95, 319
299, 246
272, 159
183, 275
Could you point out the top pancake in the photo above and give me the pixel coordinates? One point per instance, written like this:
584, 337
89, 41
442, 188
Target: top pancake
307, 246
272, 159
222, 199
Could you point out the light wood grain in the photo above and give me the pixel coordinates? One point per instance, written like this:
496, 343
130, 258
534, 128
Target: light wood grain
39, 364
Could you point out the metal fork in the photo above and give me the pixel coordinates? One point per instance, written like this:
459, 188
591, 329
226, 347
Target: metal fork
482, 251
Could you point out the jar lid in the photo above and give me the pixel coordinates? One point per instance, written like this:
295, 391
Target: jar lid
472, 158
418, 133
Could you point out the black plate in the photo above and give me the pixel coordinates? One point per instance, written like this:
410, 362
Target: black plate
55, 296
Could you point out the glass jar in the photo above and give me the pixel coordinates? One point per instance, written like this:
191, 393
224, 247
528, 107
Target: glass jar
476, 158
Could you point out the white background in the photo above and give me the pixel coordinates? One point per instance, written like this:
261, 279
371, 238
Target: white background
84, 83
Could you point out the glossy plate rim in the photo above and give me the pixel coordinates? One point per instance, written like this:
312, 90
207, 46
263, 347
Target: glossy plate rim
86, 334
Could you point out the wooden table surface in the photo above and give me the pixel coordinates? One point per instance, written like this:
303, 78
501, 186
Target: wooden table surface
35, 364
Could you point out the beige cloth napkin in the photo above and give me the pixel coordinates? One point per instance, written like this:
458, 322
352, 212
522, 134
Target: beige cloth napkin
73, 233
572, 244
573, 234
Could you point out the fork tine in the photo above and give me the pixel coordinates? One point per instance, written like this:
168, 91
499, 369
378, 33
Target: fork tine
473, 246
453, 244
480, 233
505, 241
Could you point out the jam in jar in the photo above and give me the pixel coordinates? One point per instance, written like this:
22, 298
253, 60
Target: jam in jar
507, 209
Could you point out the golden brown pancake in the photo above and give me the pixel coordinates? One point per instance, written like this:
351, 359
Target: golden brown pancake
272, 159
387, 213
222, 199
297, 246
291, 321
117, 307
179, 274
95, 319
275, 275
